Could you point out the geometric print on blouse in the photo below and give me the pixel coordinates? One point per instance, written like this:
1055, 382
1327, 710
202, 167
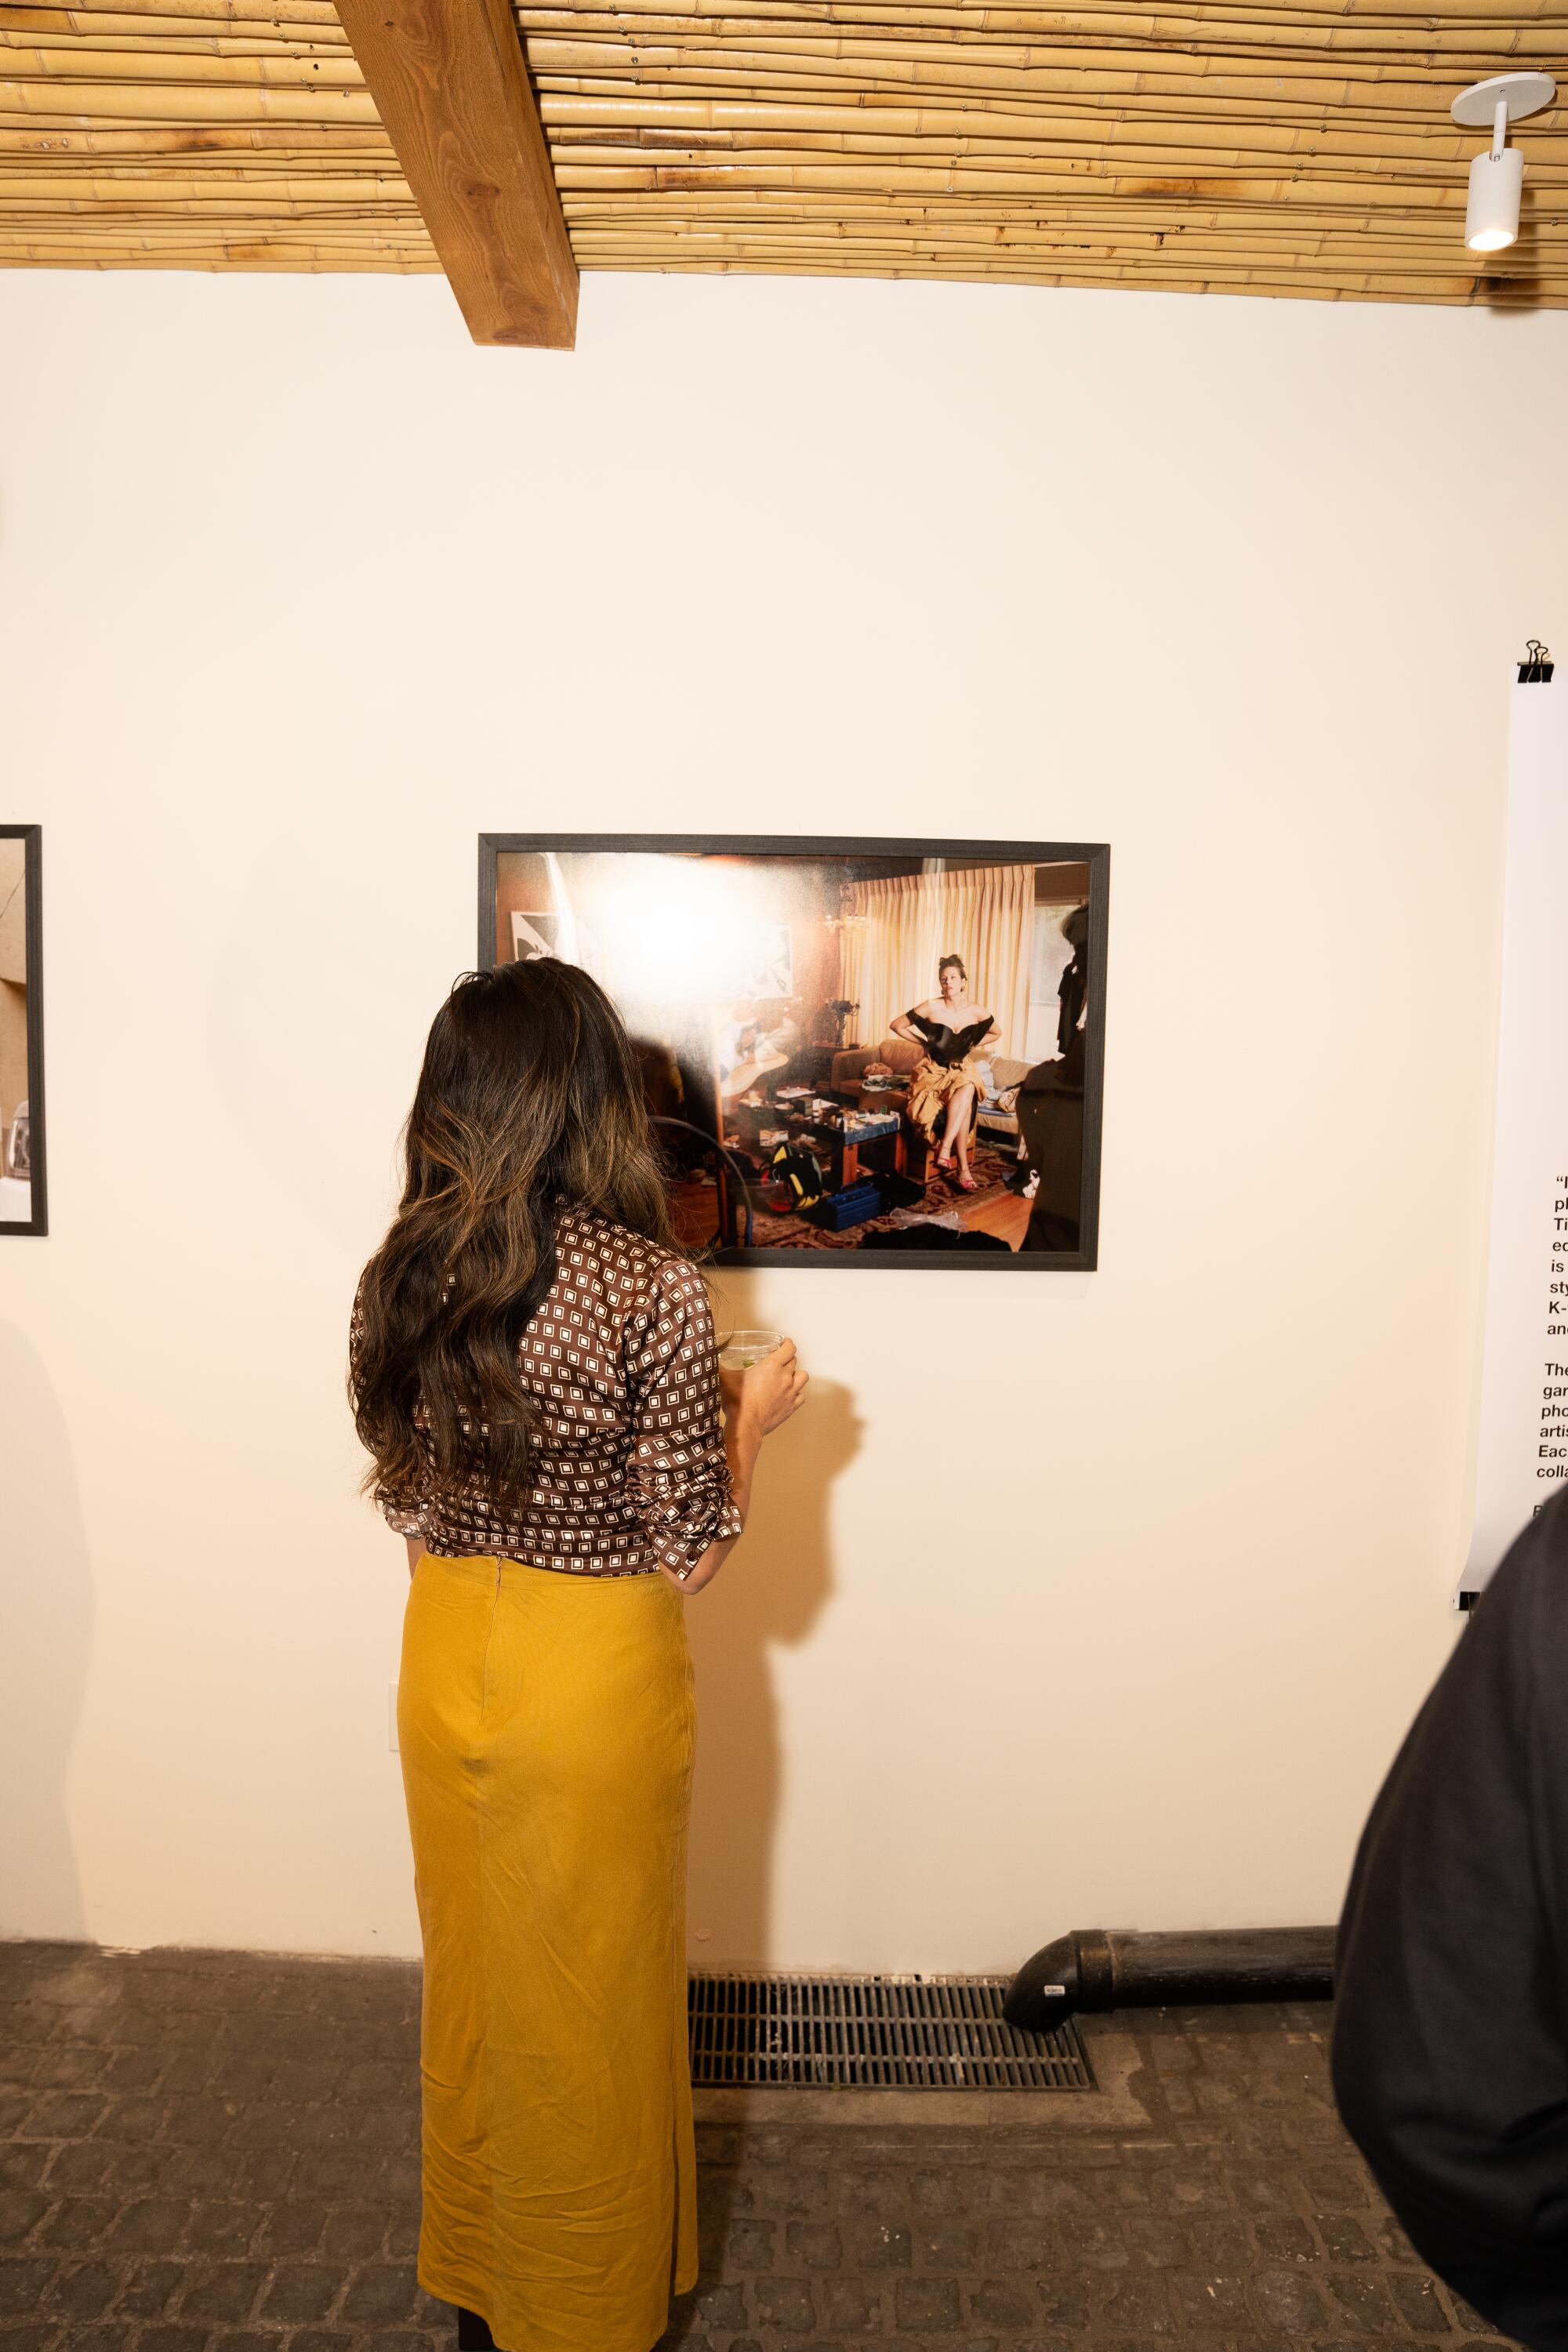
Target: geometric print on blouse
626, 1445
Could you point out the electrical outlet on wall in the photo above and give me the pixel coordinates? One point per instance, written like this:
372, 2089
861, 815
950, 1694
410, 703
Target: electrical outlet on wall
392, 1717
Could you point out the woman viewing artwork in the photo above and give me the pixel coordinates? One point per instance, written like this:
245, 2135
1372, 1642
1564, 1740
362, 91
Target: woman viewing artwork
946, 1090
533, 1373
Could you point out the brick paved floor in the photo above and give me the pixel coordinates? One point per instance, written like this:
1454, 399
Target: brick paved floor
216, 2152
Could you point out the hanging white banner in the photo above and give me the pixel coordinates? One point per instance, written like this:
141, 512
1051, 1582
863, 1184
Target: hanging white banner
1524, 1456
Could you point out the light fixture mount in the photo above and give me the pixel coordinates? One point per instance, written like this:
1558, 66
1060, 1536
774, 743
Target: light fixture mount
1521, 93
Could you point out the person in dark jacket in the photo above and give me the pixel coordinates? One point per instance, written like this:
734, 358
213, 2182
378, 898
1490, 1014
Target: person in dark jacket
1450, 2041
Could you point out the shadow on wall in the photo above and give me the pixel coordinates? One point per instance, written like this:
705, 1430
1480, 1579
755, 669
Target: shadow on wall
769, 1592
45, 1644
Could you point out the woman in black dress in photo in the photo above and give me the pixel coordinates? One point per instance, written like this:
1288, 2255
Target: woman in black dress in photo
946, 1090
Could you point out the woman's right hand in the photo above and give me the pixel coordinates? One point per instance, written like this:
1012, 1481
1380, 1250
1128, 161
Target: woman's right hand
766, 1393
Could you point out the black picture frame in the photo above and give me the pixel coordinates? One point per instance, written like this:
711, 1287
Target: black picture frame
31, 839
1096, 855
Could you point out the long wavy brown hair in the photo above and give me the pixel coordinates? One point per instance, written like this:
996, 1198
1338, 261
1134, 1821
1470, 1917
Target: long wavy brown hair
529, 1099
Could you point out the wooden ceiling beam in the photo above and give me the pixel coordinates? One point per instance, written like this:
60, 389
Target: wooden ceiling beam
450, 84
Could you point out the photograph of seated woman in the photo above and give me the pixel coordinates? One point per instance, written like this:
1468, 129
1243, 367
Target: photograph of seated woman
946, 1087
534, 1375
850, 1030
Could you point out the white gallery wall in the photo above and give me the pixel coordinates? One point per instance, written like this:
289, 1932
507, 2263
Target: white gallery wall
1071, 1600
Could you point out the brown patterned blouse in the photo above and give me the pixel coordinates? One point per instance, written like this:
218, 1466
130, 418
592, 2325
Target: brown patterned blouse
620, 1365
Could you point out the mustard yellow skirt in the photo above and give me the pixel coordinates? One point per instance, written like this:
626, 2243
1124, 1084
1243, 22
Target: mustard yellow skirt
933, 1088
546, 1723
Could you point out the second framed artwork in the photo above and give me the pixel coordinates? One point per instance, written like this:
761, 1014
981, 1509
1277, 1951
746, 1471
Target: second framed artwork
855, 1051
23, 1208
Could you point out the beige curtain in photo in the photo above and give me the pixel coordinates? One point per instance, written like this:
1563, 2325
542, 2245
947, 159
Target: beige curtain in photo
984, 914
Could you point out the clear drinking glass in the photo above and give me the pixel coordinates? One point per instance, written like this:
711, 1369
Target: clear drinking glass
743, 1349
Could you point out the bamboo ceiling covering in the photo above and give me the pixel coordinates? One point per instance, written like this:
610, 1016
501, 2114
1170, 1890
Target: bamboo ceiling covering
1250, 148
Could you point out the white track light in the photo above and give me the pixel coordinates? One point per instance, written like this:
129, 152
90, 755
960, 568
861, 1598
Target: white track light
1496, 178
1496, 183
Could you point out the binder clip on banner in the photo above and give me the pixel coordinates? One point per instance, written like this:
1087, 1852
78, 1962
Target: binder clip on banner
1535, 669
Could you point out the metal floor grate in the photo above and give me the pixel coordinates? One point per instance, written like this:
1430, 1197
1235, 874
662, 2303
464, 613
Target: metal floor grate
924, 2033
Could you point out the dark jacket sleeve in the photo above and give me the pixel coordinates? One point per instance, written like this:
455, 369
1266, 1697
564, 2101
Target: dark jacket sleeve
1451, 2044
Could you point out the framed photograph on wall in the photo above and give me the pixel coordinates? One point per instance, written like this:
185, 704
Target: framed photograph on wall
856, 1052
23, 1206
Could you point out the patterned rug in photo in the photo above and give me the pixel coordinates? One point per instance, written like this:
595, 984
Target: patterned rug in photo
989, 1168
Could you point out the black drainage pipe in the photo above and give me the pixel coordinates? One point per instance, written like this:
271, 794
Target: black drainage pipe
1097, 1969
